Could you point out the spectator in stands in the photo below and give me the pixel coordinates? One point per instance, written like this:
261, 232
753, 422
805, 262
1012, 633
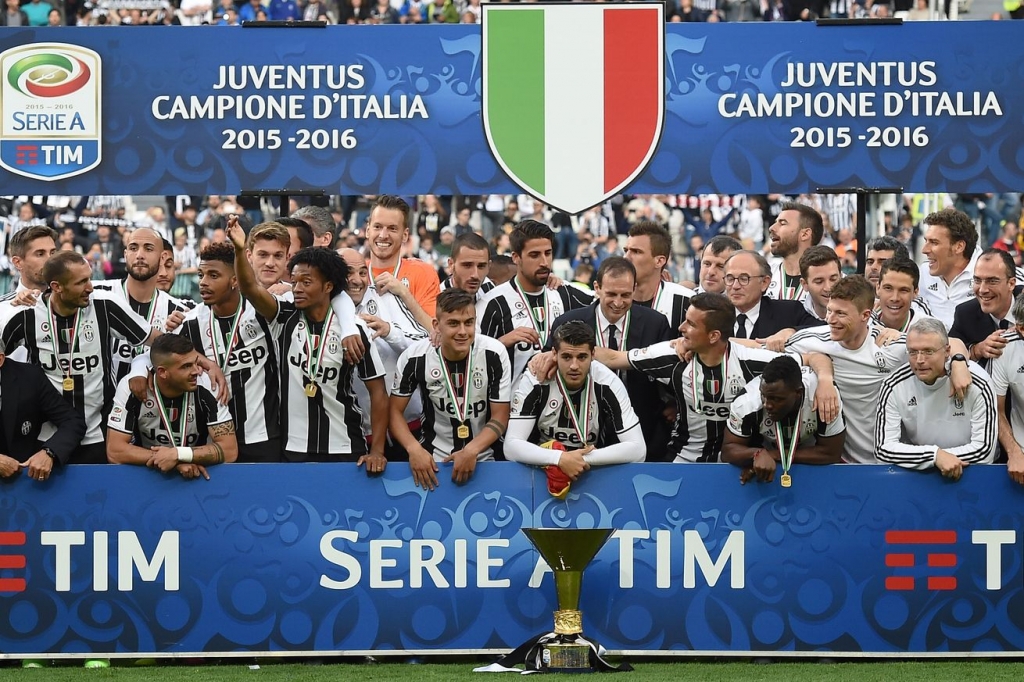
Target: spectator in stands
54, 18
750, 231
249, 10
982, 321
981, 207
186, 266
686, 12
918, 424
582, 275
950, 238
14, 16
383, 13
1008, 241
706, 226
284, 10
462, 225
111, 251
777, 404
441, 12
432, 217
37, 12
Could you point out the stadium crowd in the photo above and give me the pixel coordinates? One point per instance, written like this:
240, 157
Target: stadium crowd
229, 13
690, 329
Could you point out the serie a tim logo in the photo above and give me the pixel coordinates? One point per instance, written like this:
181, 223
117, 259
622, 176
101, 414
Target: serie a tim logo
50, 110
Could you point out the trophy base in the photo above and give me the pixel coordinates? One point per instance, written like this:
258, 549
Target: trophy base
566, 656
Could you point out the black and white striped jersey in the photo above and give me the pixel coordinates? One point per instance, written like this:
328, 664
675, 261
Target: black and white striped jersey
748, 418
155, 312
251, 368
783, 287
421, 370
329, 421
1007, 372
672, 301
914, 420
700, 426
508, 307
142, 419
88, 364
481, 296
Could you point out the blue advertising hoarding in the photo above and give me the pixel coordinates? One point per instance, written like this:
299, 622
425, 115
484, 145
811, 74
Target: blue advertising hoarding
316, 557
365, 109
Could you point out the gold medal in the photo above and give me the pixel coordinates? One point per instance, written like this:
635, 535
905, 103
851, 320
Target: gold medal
786, 480
462, 432
68, 384
310, 390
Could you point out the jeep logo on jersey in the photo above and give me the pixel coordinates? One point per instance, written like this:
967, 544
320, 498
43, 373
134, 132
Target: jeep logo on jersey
50, 110
573, 96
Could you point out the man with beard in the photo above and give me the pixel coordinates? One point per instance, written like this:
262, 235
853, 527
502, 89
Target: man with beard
30, 249
520, 312
324, 418
797, 228
469, 264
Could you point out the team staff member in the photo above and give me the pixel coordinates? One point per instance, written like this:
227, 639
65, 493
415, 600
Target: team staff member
648, 248
949, 242
465, 385
712, 263
1007, 372
583, 407
323, 417
918, 424
769, 320
387, 231
775, 417
27, 401
982, 321
180, 425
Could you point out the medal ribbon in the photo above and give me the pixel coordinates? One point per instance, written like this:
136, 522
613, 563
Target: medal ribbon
449, 385
150, 314
583, 430
657, 297
533, 317
72, 338
232, 336
316, 356
622, 344
697, 387
165, 419
798, 291
786, 453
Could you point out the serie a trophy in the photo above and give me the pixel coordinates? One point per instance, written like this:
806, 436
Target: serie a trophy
568, 551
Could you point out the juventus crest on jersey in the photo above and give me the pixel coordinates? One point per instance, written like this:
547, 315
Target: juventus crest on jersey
76, 354
703, 393
484, 377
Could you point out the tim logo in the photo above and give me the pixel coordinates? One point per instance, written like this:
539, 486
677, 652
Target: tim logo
50, 110
12, 539
933, 552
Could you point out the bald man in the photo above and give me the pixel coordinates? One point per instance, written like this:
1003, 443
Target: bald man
393, 333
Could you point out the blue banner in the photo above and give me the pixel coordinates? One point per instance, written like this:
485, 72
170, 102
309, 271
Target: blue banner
361, 110
290, 558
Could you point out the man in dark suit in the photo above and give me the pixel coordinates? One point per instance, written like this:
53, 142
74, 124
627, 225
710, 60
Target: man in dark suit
981, 321
771, 321
27, 401
620, 325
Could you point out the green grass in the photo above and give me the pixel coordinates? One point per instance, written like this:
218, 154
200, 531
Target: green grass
646, 671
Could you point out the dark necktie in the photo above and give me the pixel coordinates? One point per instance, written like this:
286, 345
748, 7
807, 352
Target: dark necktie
613, 342
1004, 324
741, 326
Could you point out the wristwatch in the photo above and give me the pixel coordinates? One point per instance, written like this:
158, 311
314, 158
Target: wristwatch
50, 454
959, 357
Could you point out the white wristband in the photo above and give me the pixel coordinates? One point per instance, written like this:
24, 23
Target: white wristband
184, 454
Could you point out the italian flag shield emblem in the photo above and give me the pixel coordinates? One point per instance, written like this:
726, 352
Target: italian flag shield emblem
573, 96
